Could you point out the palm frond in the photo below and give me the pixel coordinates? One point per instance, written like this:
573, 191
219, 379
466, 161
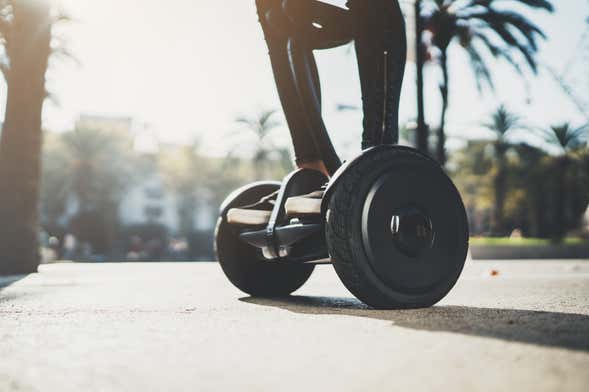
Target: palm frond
480, 69
503, 122
265, 115
260, 125
520, 23
527, 52
481, 3
504, 33
542, 4
245, 121
499, 52
579, 136
440, 3
265, 120
564, 136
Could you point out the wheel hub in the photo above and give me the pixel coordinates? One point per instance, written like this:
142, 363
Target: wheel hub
412, 231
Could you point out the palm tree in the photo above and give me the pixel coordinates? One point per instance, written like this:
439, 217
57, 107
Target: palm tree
25, 49
54, 183
502, 124
99, 167
478, 24
422, 131
187, 173
532, 176
261, 126
566, 139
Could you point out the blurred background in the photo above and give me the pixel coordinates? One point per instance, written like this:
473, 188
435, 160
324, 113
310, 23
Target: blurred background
125, 123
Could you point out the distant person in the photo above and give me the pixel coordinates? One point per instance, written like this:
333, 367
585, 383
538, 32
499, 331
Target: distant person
377, 28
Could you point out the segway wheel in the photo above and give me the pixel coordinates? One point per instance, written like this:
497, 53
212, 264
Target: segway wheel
396, 229
243, 264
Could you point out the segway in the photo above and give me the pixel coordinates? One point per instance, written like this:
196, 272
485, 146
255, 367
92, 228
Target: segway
391, 222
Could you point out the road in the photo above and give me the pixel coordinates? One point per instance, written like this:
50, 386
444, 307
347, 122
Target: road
182, 327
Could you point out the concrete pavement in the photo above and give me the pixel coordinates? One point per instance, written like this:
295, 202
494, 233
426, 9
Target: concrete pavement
182, 327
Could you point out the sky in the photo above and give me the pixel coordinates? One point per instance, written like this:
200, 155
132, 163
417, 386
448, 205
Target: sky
185, 69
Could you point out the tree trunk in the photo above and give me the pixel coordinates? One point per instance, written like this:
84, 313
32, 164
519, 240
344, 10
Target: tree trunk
500, 191
422, 130
561, 197
20, 145
441, 142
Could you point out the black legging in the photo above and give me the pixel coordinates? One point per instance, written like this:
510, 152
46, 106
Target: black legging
378, 29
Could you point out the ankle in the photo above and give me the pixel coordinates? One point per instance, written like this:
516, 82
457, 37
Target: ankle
315, 165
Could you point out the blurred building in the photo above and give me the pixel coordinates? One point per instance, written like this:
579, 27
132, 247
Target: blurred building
147, 200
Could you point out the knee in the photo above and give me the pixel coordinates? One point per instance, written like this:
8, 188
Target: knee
296, 10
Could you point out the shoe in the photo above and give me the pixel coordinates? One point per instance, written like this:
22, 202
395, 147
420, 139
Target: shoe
257, 214
309, 204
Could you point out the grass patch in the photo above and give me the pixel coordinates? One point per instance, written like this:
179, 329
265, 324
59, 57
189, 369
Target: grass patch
506, 241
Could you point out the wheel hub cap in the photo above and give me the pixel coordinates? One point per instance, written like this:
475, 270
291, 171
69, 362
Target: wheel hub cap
412, 231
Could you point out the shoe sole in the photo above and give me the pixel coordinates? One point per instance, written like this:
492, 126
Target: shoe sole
238, 216
302, 206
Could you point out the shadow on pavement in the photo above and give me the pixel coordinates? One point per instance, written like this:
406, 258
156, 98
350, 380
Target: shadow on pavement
6, 281
552, 329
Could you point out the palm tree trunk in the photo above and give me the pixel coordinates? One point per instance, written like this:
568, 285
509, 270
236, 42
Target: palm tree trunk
500, 191
20, 144
441, 146
560, 218
422, 130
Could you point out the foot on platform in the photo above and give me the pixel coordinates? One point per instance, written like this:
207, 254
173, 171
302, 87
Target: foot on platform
305, 205
258, 214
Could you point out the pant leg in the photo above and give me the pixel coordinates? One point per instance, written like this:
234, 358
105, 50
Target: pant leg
277, 41
381, 47
319, 25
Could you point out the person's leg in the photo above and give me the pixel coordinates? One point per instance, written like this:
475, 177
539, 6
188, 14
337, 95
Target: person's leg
318, 165
381, 48
275, 27
279, 31
378, 28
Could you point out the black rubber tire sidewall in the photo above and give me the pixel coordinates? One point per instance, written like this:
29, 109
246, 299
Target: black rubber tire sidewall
344, 233
242, 265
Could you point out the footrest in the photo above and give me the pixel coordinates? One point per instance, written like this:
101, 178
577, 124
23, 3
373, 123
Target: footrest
303, 205
283, 236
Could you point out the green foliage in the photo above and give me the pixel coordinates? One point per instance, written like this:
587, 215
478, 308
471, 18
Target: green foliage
93, 167
268, 160
507, 241
565, 137
542, 197
502, 122
99, 165
54, 182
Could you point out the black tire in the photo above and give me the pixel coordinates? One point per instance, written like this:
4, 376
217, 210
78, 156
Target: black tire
242, 263
369, 261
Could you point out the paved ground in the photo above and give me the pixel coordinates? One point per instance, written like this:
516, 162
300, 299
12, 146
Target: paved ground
181, 327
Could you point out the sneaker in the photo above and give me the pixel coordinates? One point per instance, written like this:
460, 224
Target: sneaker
309, 204
257, 214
